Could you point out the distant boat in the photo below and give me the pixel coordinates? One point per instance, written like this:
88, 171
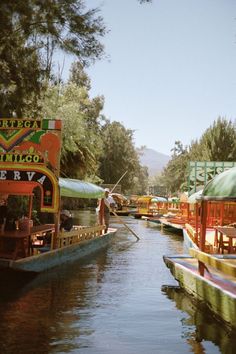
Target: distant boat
150, 206
122, 204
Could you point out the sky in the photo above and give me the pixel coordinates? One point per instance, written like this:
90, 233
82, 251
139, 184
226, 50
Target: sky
170, 68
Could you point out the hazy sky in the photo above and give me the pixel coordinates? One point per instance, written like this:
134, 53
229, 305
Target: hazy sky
171, 69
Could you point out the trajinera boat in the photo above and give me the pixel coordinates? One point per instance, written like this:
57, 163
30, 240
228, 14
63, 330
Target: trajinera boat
208, 272
30, 167
122, 204
150, 206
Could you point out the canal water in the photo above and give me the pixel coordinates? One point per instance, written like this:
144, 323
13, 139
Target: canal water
120, 301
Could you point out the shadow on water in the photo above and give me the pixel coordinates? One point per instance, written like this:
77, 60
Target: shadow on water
12, 282
201, 325
61, 293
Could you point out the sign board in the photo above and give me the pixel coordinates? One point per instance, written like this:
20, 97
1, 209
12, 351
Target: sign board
201, 172
30, 155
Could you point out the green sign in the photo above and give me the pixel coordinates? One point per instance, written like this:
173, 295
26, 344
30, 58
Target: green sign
201, 172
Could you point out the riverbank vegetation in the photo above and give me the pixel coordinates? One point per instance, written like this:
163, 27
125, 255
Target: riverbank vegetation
32, 33
93, 147
218, 143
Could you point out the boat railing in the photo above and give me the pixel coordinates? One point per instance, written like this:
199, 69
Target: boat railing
79, 233
193, 234
220, 264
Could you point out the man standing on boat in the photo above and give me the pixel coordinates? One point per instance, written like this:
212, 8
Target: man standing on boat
105, 206
109, 205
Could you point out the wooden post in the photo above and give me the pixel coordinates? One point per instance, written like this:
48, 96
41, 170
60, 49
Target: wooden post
204, 208
101, 212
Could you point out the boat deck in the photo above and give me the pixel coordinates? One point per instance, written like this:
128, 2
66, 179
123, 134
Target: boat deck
224, 281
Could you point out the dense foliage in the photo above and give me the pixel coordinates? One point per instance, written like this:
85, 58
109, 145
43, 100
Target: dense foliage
93, 148
119, 155
81, 144
218, 143
31, 31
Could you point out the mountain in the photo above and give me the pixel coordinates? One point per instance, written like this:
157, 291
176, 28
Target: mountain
155, 161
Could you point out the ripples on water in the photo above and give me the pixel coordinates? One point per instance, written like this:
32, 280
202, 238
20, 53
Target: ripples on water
114, 302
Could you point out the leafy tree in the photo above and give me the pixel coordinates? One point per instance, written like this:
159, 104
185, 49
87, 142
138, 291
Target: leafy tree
81, 142
78, 76
218, 143
174, 175
119, 156
30, 31
20, 79
140, 182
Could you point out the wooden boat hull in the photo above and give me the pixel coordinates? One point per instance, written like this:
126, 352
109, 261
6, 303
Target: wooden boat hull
154, 220
47, 260
167, 223
188, 242
216, 291
121, 212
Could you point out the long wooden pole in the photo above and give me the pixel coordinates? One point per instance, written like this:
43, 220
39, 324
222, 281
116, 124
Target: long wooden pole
114, 213
118, 218
127, 227
118, 181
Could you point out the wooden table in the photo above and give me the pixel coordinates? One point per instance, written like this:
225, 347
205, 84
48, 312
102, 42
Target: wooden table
230, 233
18, 243
40, 231
14, 244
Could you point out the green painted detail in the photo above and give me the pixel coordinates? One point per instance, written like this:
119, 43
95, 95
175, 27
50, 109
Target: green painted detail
201, 172
36, 137
222, 186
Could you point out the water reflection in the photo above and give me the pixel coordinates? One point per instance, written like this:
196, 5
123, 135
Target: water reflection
201, 326
52, 310
112, 302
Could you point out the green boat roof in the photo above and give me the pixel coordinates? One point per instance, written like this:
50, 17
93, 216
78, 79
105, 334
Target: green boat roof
75, 188
195, 197
221, 187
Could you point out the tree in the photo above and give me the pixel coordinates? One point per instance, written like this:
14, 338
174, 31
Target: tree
20, 79
81, 142
30, 31
218, 143
174, 175
119, 155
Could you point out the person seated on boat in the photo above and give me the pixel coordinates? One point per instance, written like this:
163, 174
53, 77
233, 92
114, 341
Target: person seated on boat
66, 220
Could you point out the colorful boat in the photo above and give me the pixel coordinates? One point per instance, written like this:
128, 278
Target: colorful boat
150, 206
211, 278
29, 169
122, 204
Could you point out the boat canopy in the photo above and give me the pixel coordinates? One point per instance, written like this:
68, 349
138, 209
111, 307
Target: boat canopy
221, 187
158, 199
195, 197
173, 200
75, 188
